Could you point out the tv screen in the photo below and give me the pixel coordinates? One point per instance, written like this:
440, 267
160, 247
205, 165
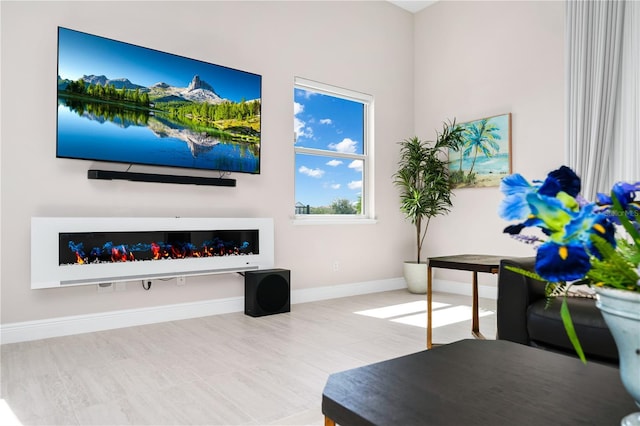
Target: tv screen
118, 102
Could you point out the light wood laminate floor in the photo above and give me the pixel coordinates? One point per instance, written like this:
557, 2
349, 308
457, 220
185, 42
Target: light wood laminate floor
226, 369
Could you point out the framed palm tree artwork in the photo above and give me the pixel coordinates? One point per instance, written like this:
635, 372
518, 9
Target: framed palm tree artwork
483, 156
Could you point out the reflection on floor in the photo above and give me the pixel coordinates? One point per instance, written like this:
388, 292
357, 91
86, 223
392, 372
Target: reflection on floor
7, 416
415, 313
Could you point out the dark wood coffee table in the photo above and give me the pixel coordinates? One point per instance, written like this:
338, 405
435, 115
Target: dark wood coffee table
478, 382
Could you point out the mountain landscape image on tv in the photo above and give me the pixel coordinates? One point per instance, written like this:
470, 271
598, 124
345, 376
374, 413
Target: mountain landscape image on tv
118, 102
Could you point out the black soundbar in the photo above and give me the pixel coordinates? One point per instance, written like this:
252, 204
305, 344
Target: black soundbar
152, 177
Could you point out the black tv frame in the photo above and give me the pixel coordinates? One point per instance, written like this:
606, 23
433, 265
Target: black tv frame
139, 160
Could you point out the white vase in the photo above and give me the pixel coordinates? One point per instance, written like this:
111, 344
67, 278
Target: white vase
621, 312
415, 275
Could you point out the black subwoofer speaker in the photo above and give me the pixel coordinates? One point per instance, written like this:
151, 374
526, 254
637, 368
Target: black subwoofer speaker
267, 292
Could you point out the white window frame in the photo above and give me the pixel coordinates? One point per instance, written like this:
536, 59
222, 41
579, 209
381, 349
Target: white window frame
368, 206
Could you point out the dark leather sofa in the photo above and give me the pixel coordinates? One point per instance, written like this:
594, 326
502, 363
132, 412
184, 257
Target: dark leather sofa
522, 317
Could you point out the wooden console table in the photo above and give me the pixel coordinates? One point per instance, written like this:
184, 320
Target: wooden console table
465, 262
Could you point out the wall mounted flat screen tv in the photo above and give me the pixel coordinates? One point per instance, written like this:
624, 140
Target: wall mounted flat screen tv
118, 102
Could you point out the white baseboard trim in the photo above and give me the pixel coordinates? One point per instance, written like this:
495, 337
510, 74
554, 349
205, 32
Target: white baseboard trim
77, 324
346, 290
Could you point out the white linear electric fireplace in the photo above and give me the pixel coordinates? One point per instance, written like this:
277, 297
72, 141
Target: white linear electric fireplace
78, 251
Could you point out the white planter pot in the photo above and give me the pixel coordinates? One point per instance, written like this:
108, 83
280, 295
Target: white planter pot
415, 275
621, 312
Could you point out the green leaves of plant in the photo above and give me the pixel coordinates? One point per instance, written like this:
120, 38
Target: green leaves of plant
571, 331
614, 269
423, 180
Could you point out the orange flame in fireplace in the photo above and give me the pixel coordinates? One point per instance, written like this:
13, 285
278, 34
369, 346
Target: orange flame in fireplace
155, 249
159, 250
176, 254
119, 255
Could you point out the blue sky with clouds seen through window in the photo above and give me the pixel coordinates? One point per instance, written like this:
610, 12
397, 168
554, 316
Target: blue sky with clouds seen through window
336, 125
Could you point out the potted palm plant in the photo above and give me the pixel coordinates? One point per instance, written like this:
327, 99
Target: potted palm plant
425, 191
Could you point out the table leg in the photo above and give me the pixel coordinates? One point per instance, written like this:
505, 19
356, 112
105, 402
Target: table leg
429, 331
475, 323
328, 421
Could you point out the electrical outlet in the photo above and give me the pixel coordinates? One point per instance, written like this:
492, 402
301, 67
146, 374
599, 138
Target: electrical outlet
121, 286
181, 280
336, 266
105, 287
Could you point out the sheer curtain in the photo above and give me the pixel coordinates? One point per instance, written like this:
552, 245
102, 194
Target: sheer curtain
602, 86
625, 160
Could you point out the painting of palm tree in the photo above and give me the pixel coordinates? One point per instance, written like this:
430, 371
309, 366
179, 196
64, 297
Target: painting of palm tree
483, 157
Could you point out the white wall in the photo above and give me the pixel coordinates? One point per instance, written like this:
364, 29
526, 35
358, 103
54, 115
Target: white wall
364, 46
462, 60
475, 59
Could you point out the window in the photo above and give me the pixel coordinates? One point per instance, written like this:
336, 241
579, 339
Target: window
333, 155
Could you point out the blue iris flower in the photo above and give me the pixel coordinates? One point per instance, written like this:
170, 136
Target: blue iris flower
556, 262
563, 179
515, 206
516, 188
566, 256
568, 223
626, 195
